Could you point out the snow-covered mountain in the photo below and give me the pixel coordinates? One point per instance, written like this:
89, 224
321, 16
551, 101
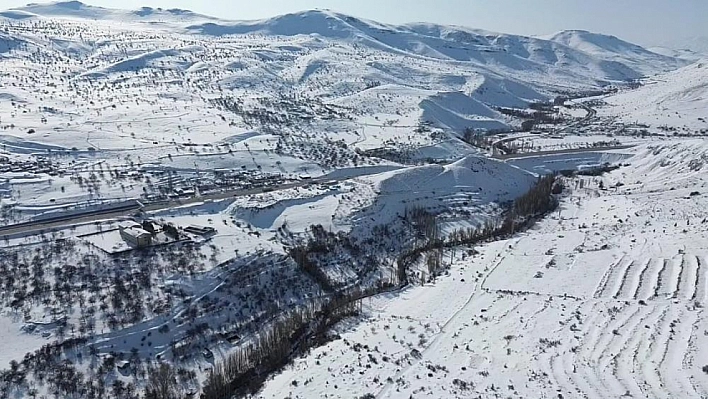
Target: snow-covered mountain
452, 76
79, 10
609, 58
613, 49
691, 44
683, 53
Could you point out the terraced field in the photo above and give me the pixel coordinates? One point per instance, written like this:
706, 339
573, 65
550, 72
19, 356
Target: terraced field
603, 299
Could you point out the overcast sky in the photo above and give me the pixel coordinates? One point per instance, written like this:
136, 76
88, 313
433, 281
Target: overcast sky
647, 22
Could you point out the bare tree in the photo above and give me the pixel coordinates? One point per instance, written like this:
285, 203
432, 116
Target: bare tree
162, 383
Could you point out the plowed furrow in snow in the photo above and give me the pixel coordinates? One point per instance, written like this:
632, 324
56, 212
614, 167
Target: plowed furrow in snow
663, 278
660, 341
581, 386
689, 358
625, 360
613, 342
597, 347
562, 364
650, 280
699, 295
634, 367
581, 368
637, 280
602, 288
679, 273
623, 318
689, 277
672, 366
621, 279
650, 374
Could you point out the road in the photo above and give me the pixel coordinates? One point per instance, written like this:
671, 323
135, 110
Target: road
95, 215
103, 214
590, 114
561, 152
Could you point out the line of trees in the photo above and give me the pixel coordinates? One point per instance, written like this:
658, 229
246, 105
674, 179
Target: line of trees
246, 368
537, 201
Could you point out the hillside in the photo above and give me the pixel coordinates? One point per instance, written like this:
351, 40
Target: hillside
318, 205
602, 299
614, 50
672, 102
375, 80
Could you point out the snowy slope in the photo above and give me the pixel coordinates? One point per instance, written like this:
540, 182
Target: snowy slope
612, 49
386, 79
603, 299
683, 53
678, 99
77, 10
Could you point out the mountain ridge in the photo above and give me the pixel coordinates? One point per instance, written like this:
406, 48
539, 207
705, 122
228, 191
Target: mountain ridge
607, 49
456, 77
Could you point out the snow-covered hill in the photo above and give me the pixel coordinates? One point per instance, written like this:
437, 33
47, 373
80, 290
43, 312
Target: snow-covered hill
283, 164
683, 53
676, 101
612, 49
388, 78
603, 299
79, 11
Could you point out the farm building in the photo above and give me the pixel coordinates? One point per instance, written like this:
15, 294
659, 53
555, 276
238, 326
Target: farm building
199, 230
134, 234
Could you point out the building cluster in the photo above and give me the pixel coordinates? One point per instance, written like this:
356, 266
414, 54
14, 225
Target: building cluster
147, 233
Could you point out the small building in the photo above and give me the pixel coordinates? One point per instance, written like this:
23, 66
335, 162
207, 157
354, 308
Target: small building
200, 230
134, 234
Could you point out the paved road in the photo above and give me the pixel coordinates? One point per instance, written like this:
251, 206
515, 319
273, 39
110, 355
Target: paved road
562, 152
95, 215
590, 114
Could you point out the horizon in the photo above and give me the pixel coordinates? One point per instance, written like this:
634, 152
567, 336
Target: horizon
544, 17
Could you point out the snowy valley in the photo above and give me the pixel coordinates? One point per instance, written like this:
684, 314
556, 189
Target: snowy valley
317, 205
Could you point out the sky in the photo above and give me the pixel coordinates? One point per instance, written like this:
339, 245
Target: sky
646, 22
